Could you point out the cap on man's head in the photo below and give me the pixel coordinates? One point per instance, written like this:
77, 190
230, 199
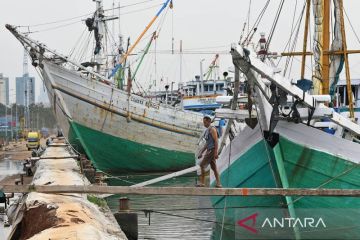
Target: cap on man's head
207, 117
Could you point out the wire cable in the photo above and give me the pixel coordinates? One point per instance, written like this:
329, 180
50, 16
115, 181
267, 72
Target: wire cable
227, 180
55, 22
54, 28
256, 24
273, 27
352, 27
129, 5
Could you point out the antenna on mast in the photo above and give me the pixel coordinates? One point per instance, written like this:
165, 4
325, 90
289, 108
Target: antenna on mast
25, 64
26, 88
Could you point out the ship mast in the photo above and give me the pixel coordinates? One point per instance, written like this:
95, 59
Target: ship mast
346, 58
26, 79
306, 31
325, 57
98, 25
326, 52
100, 57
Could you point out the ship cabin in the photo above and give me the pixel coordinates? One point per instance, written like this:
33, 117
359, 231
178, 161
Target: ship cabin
341, 103
206, 87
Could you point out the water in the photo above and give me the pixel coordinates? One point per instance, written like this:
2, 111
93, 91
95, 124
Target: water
177, 217
9, 167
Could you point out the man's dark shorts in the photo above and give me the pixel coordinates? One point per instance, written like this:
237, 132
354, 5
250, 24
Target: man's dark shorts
209, 158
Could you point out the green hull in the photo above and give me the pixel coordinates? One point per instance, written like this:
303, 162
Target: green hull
303, 167
113, 154
252, 170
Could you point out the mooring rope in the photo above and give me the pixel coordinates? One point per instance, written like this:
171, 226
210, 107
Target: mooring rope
227, 180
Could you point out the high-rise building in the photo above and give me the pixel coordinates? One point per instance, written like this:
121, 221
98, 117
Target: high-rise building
21, 92
4, 90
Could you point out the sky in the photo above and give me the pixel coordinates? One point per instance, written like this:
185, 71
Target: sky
206, 27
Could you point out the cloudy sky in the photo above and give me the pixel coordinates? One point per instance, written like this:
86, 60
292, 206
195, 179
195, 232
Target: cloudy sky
206, 27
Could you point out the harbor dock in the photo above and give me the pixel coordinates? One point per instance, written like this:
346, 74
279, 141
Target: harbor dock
61, 216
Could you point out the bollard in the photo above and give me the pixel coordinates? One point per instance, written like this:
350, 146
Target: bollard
2, 210
87, 164
17, 181
124, 204
98, 177
8, 196
22, 179
89, 174
128, 221
81, 166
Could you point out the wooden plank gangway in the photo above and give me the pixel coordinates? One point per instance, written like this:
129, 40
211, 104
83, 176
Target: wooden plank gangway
186, 191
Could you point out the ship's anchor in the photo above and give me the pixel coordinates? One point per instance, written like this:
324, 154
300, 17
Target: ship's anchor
278, 97
250, 121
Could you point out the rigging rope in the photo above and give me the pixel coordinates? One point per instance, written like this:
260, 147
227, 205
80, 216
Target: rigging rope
352, 27
83, 15
85, 47
347, 171
153, 38
293, 49
109, 176
248, 17
273, 27
293, 46
55, 22
129, 5
191, 218
292, 24
227, 185
256, 24
142, 9
287, 45
76, 44
196, 209
54, 28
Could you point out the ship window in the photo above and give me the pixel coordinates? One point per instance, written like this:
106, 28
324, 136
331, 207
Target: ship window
220, 87
242, 88
211, 88
206, 88
344, 100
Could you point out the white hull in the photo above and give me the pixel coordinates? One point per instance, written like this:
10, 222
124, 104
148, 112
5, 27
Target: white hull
98, 106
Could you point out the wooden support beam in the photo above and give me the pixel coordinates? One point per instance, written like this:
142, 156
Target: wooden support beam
286, 54
185, 191
342, 52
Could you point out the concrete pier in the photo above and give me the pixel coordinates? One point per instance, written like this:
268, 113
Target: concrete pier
62, 216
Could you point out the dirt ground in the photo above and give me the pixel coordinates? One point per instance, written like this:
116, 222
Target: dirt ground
10, 180
18, 150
